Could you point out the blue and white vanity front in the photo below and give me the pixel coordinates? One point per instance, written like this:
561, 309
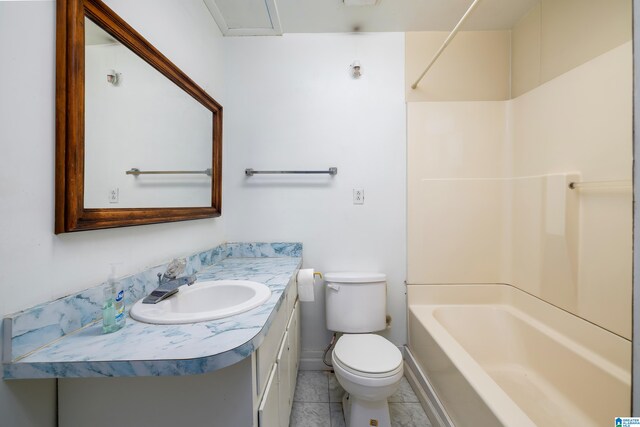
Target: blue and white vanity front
236, 371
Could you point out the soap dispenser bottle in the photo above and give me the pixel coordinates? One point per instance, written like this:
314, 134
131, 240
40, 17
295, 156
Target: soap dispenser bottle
113, 315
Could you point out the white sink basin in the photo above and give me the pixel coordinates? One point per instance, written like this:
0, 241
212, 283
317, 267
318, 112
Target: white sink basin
204, 301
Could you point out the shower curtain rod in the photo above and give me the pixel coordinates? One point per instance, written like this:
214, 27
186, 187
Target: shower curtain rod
446, 43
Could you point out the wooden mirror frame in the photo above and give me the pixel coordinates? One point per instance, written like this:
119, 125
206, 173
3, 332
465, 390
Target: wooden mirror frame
71, 215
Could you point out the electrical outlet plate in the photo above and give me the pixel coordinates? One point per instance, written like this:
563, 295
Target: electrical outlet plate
114, 195
358, 196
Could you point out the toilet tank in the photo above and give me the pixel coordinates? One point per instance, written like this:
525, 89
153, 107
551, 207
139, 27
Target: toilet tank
356, 302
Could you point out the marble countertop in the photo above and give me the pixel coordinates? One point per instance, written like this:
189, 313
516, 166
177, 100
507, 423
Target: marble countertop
141, 349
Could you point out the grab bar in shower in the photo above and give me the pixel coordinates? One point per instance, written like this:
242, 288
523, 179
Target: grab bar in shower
251, 172
600, 184
136, 172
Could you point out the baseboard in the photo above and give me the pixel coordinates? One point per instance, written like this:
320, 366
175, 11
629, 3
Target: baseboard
311, 360
427, 396
313, 365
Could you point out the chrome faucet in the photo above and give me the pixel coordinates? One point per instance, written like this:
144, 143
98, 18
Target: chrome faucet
169, 282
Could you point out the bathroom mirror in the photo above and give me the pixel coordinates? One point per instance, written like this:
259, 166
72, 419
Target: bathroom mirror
137, 141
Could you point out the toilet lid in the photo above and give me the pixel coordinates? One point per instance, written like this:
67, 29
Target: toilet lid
367, 353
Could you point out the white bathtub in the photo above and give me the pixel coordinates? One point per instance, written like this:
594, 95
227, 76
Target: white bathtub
496, 356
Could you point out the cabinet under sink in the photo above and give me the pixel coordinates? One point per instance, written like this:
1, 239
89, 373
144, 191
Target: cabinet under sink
277, 398
255, 392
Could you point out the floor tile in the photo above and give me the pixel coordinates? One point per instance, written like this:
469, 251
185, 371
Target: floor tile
310, 415
312, 387
404, 394
318, 403
337, 416
335, 389
408, 415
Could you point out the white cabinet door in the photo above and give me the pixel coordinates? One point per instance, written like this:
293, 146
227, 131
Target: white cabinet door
269, 410
268, 350
294, 346
284, 381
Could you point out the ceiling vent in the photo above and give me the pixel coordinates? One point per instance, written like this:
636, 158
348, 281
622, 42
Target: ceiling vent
245, 17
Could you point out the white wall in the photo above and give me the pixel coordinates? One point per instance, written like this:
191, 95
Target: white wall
475, 67
37, 266
294, 105
587, 127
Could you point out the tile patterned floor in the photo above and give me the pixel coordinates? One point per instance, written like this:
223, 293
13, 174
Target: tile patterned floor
317, 402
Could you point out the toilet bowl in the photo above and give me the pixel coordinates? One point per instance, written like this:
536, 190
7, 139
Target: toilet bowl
369, 368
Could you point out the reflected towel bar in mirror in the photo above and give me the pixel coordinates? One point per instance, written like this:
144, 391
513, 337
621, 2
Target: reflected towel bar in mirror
251, 172
136, 172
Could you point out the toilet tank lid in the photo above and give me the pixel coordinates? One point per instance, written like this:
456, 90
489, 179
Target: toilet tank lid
354, 277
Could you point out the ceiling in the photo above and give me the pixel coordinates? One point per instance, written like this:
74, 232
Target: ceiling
273, 17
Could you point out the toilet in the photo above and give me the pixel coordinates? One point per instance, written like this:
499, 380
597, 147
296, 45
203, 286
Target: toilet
367, 366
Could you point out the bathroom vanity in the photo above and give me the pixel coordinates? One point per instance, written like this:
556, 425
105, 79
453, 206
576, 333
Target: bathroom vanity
235, 371
256, 391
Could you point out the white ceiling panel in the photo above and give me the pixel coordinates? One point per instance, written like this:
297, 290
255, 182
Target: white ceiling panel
305, 16
245, 17
331, 16
245, 13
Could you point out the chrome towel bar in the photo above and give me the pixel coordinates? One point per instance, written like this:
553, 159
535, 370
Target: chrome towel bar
251, 172
136, 172
600, 184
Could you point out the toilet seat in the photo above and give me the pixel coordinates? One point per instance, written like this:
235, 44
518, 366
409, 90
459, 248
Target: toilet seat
359, 377
367, 355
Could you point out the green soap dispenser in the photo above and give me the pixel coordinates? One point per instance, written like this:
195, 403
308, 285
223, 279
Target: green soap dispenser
113, 315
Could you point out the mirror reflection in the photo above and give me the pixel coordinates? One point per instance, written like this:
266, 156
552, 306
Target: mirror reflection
137, 119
